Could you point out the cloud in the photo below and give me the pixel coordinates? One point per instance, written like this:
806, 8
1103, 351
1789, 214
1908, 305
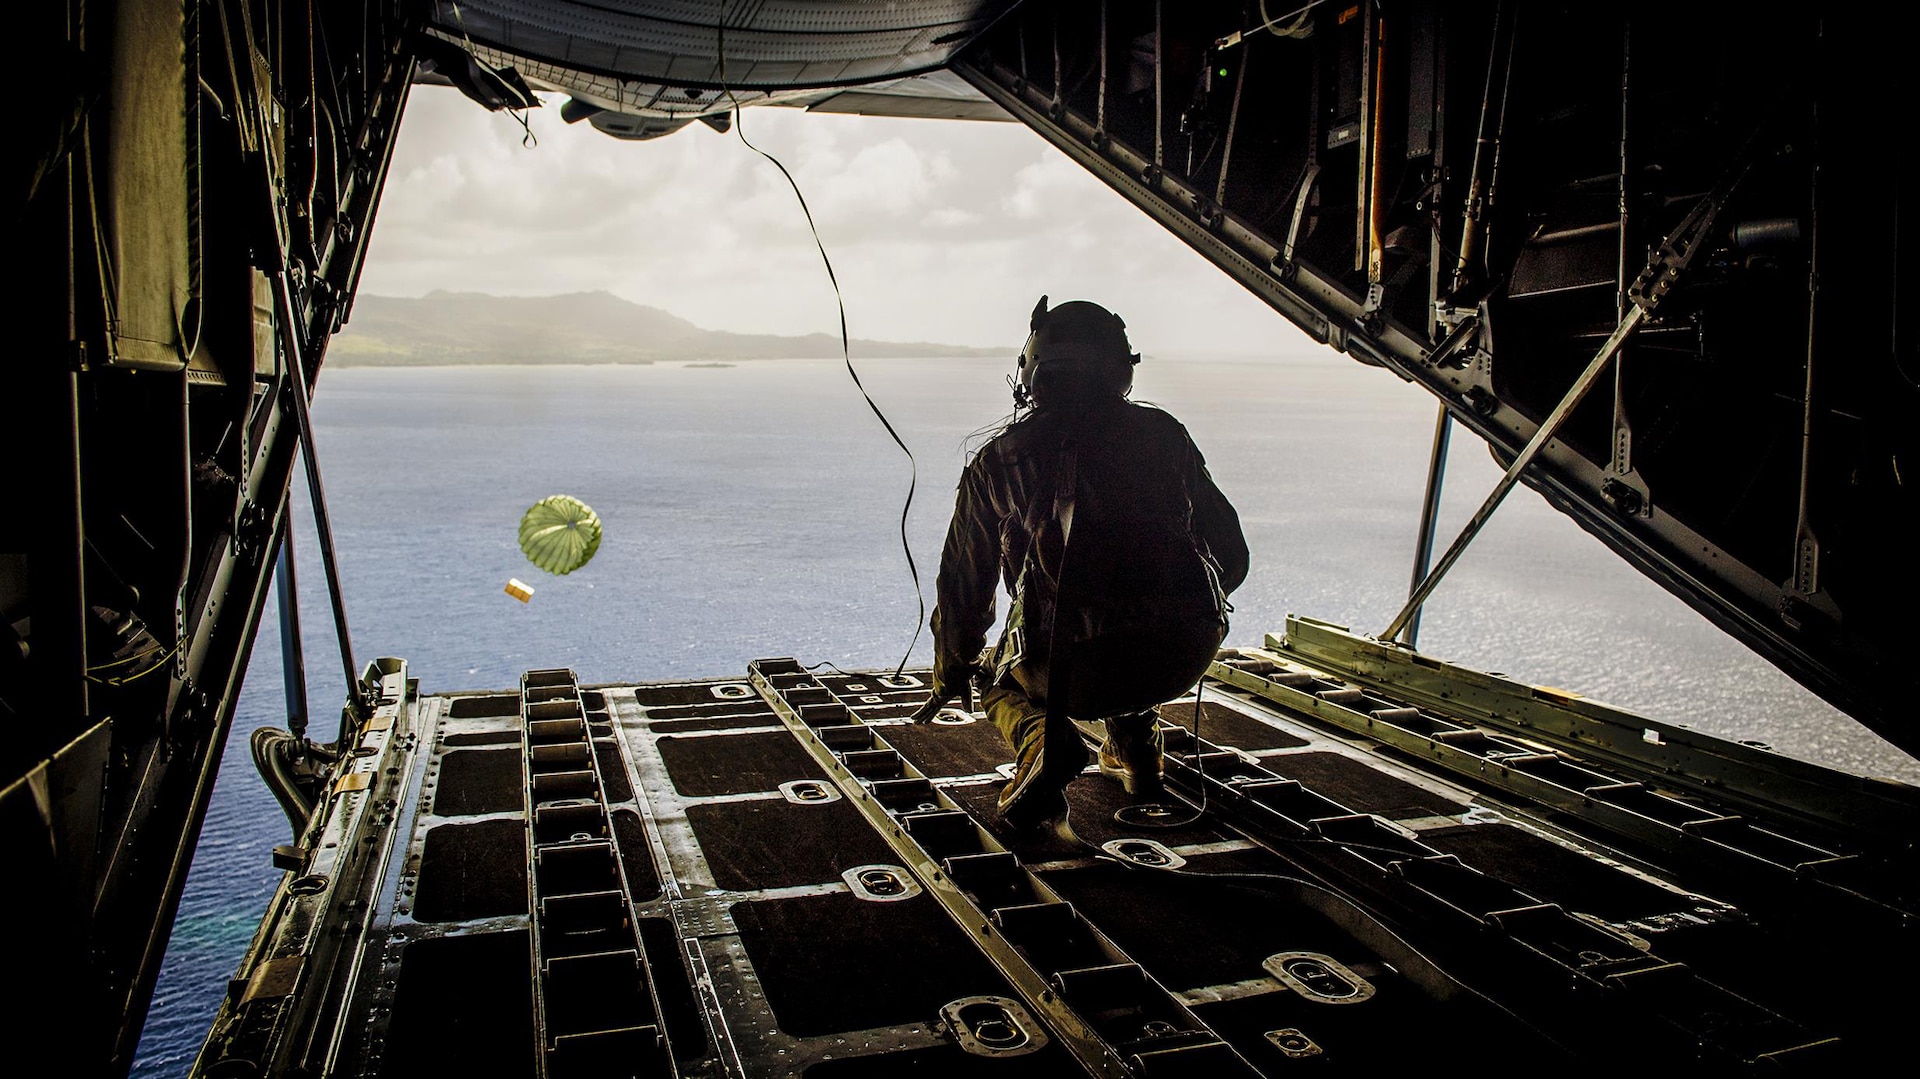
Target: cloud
938, 230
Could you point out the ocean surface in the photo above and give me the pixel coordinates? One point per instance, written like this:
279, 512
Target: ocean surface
754, 510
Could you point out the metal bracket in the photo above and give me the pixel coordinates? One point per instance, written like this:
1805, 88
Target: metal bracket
1464, 327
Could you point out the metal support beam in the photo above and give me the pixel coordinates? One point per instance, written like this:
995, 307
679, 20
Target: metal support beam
1159, 75
1059, 71
57, 556
1429, 516
1365, 145
1806, 545
1100, 108
1233, 127
293, 664
1626, 260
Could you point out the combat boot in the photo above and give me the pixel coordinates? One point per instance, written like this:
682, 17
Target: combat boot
1134, 753
1038, 790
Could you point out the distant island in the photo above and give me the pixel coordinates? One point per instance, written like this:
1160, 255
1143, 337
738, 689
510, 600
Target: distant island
582, 327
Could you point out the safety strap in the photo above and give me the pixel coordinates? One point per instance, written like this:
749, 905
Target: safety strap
1057, 725
1064, 486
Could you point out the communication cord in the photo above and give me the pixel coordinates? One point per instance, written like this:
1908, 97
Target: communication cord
846, 353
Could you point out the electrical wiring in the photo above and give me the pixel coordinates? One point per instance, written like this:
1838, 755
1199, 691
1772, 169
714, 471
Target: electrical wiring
1298, 28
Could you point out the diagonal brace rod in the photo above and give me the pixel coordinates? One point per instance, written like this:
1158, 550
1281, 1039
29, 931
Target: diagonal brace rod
290, 323
1548, 429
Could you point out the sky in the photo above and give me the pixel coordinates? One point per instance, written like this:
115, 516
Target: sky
939, 230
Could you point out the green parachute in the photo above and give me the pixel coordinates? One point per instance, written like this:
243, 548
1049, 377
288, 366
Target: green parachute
560, 533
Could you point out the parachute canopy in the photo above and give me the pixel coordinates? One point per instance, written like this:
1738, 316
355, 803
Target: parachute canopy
560, 533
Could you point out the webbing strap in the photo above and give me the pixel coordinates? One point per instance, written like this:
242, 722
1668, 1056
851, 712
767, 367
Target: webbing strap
1066, 480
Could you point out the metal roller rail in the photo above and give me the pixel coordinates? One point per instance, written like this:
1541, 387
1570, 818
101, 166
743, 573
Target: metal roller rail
1554, 951
1104, 1008
292, 986
595, 1005
1742, 842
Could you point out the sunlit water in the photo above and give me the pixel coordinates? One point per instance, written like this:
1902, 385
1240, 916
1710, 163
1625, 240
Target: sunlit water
753, 510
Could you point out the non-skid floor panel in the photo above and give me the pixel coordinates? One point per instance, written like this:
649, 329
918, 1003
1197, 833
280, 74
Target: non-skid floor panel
496, 704
679, 1006
1553, 873
483, 738
1360, 788
716, 723
462, 1006
470, 871
735, 763
709, 709
844, 687
892, 710
1189, 931
834, 963
1224, 726
667, 696
473, 781
613, 770
774, 843
939, 750
630, 835
948, 1062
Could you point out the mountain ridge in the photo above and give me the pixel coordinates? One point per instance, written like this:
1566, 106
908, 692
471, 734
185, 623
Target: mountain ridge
465, 328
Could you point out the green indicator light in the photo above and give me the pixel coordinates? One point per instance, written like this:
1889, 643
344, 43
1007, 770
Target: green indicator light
1223, 72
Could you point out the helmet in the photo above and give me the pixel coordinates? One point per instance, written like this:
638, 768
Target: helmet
1078, 340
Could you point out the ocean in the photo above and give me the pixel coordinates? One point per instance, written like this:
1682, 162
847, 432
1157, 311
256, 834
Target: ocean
754, 510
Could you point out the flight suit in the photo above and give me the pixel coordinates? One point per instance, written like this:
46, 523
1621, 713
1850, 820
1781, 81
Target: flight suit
1138, 589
